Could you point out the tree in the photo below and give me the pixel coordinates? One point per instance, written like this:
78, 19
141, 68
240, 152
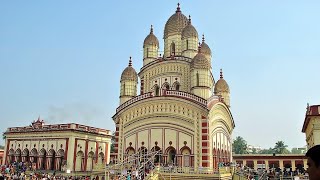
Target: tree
113, 142
239, 146
4, 136
267, 151
297, 151
1, 147
280, 148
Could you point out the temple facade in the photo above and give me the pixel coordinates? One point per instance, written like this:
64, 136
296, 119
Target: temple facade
180, 111
58, 147
311, 125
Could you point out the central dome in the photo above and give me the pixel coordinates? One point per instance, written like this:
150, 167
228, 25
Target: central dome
175, 24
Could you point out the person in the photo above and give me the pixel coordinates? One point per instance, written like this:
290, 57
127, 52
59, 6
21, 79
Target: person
313, 163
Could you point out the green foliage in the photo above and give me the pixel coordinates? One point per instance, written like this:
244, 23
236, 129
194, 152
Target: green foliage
1, 147
267, 151
297, 151
239, 146
4, 136
281, 148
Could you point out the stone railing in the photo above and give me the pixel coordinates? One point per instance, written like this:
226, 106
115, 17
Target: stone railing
186, 96
133, 100
172, 93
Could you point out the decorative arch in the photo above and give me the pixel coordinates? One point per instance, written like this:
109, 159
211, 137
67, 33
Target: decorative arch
18, 155
130, 150
186, 154
176, 86
158, 155
156, 90
90, 161
59, 159
165, 86
34, 157
171, 155
11, 156
51, 159
79, 165
25, 155
101, 158
42, 159
172, 49
142, 153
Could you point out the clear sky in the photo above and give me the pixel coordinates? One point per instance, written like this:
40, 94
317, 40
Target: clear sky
62, 60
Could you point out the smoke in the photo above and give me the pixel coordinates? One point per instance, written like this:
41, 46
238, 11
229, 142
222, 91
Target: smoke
73, 113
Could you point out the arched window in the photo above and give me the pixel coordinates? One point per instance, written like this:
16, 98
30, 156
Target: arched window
156, 89
42, 159
186, 156
51, 159
90, 161
172, 49
171, 155
60, 159
157, 158
166, 86
197, 79
176, 86
142, 154
124, 89
79, 161
147, 52
187, 43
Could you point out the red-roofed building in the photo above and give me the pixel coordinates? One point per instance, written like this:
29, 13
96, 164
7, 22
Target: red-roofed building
311, 125
58, 147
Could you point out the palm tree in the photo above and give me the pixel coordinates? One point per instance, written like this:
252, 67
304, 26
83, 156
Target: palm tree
280, 148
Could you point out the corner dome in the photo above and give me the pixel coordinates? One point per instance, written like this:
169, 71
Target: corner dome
129, 73
221, 85
151, 39
189, 31
200, 61
175, 23
205, 49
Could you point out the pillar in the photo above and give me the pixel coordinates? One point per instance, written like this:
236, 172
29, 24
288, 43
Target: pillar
266, 162
255, 164
293, 165
305, 166
281, 164
244, 163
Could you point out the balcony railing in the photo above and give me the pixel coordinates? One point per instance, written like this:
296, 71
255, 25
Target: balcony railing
172, 93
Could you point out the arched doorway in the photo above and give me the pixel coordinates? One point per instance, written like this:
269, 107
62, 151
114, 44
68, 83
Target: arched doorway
79, 161
171, 155
157, 157
90, 161
51, 159
42, 159
25, 155
18, 155
59, 159
186, 152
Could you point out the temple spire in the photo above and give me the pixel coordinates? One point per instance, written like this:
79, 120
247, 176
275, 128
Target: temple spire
221, 74
151, 29
130, 62
178, 8
202, 38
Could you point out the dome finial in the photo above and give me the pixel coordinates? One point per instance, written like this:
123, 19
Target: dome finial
189, 20
151, 29
130, 62
202, 38
221, 74
178, 8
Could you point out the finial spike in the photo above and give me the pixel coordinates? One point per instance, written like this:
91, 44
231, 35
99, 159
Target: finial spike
178, 8
202, 38
151, 29
221, 74
130, 62
189, 19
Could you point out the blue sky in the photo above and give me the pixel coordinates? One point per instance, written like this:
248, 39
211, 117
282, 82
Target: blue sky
62, 60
